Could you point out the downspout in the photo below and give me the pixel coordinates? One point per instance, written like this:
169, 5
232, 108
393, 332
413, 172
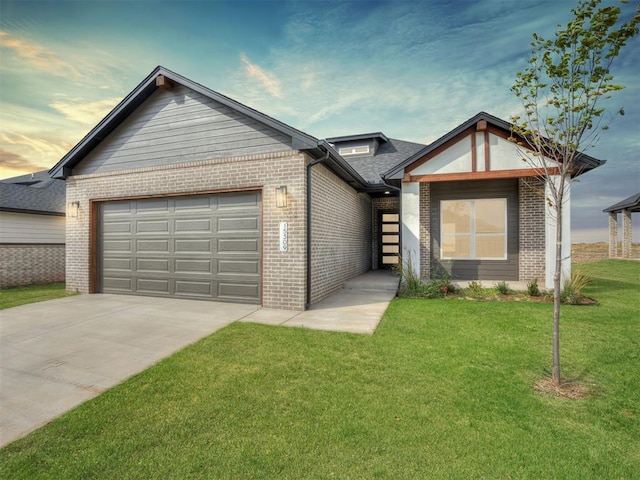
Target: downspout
309, 166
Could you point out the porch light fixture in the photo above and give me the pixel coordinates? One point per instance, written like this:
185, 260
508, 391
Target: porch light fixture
281, 197
72, 209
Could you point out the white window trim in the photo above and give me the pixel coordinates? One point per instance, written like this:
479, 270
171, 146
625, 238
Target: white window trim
473, 233
354, 150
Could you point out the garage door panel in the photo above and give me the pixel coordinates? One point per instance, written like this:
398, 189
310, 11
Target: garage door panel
193, 266
194, 288
117, 283
193, 204
205, 247
235, 290
238, 245
152, 206
156, 245
158, 286
242, 267
192, 245
195, 225
152, 226
155, 265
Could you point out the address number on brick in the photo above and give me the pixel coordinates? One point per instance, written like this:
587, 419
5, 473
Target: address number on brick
284, 237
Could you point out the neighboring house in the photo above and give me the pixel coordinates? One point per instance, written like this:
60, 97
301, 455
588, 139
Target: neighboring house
32, 230
187, 193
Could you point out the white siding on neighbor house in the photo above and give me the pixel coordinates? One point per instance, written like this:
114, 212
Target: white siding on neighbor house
31, 228
178, 126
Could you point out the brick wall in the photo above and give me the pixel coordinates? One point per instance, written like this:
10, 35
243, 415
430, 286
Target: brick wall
284, 273
380, 203
340, 232
532, 229
31, 264
425, 232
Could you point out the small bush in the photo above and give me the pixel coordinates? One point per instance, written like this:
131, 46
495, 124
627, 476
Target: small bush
571, 292
503, 288
475, 289
533, 289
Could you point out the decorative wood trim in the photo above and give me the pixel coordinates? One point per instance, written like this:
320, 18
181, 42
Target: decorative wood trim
406, 177
93, 246
440, 149
163, 82
474, 153
487, 152
451, 177
481, 126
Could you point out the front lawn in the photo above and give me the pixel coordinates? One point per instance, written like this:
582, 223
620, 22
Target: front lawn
444, 389
14, 296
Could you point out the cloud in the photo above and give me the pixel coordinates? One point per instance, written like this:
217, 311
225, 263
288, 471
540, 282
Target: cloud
268, 80
38, 56
13, 164
79, 110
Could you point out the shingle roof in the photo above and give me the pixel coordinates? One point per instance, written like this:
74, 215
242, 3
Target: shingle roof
631, 203
387, 156
33, 193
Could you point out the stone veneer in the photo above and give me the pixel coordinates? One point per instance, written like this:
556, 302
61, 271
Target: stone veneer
283, 273
340, 233
31, 264
532, 229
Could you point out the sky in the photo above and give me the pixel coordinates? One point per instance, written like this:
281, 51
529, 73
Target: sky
411, 69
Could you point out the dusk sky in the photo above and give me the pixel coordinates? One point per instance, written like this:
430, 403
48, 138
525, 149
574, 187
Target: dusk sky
413, 70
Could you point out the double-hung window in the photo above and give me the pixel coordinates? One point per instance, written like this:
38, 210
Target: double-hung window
473, 229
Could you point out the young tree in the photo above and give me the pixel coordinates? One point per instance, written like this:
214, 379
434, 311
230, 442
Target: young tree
562, 89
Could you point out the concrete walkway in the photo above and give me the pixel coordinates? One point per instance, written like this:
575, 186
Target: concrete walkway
356, 308
57, 354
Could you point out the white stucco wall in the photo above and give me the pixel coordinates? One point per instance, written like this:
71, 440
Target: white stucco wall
410, 213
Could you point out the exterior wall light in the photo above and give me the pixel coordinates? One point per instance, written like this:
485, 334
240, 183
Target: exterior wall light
281, 197
72, 209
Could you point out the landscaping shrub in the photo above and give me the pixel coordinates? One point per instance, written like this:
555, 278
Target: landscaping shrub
572, 288
503, 288
533, 289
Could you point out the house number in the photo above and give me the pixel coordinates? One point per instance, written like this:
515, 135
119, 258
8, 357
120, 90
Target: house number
284, 237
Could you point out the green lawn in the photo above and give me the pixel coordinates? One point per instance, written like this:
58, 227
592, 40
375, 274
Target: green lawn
14, 296
444, 389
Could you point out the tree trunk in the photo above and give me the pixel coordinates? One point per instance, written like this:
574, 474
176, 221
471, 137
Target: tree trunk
557, 276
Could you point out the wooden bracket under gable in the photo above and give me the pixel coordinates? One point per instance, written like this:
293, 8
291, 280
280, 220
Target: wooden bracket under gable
163, 82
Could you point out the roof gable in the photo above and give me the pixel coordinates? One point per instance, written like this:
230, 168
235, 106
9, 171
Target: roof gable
160, 77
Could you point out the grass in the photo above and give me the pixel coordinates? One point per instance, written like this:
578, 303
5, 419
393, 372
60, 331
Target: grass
444, 389
15, 296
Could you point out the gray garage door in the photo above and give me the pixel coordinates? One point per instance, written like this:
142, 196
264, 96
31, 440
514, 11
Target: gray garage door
205, 247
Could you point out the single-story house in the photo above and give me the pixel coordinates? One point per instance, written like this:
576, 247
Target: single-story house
32, 230
181, 191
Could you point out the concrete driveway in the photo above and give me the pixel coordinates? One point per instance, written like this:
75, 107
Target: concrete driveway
55, 355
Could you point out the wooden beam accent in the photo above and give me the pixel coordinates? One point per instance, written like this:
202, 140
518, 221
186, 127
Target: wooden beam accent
481, 126
407, 177
474, 153
451, 177
163, 82
487, 152
440, 149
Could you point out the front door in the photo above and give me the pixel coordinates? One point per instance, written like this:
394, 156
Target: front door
389, 238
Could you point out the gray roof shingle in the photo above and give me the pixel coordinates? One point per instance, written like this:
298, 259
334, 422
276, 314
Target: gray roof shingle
33, 193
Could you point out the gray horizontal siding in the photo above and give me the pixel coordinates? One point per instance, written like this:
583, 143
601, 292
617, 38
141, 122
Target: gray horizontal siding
179, 126
477, 269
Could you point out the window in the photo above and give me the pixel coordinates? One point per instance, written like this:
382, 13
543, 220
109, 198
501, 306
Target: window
473, 229
359, 150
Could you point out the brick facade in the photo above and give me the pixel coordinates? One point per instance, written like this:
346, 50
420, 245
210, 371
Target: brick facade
380, 203
532, 229
284, 273
613, 234
31, 264
626, 233
425, 233
340, 233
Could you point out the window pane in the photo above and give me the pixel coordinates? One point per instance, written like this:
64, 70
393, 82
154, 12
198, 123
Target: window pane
390, 227
390, 238
456, 247
390, 217
390, 260
490, 246
490, 215
390, 249
456, 216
